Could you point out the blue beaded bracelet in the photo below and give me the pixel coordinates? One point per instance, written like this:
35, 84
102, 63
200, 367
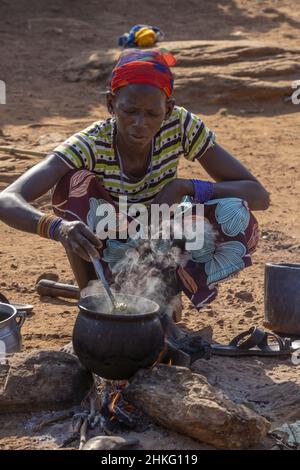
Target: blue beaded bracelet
54, 225
204, 191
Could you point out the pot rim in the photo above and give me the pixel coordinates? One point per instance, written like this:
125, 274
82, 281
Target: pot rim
294, 266
8, 308
121, 316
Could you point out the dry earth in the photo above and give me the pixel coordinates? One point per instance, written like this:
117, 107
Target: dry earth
237, 60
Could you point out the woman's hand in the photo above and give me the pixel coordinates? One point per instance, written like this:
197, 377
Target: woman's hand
77, 237
173, 192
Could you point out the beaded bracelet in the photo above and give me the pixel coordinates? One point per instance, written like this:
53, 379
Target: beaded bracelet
204, 191
53, 227
47, 225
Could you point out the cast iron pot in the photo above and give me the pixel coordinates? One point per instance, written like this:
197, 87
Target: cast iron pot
282, 298
115, 346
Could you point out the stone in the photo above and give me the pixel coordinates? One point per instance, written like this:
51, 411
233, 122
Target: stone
244, 295
265, 384
109, 443
185, 402
90, 66
249, 313
48, 275
42, 379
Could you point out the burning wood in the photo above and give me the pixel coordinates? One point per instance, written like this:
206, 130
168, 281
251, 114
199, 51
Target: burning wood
116, 412
105, 412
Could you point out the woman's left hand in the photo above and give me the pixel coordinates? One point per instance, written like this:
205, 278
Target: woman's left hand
173, 192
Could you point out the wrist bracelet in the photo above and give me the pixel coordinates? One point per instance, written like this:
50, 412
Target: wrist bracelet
47, 224
54, 226
204, 190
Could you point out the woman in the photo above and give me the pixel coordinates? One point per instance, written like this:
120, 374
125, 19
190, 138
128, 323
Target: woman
135, 153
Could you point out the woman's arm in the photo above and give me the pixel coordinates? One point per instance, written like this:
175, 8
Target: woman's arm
233, 179
16, 211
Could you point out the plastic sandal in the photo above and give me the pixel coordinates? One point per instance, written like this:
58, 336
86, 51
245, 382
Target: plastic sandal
255, 342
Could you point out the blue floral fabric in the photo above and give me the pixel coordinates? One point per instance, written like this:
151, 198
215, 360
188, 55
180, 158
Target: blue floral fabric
233, 229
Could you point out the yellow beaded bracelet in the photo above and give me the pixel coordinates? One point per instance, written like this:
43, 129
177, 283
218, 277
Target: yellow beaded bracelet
46, 226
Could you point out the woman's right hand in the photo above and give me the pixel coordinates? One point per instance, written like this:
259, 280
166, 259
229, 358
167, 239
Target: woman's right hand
77, 237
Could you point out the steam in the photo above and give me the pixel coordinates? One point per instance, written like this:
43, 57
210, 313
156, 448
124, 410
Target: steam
147, 269
148, 272
95, 298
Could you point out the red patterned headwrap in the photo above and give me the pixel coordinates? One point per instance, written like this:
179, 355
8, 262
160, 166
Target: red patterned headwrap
149, 67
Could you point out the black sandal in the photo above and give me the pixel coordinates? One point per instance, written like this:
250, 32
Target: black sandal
256, 343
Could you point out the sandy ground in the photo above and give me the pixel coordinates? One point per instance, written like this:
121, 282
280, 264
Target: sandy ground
42, 109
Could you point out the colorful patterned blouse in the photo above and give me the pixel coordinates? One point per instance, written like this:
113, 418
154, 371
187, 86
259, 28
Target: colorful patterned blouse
183, 133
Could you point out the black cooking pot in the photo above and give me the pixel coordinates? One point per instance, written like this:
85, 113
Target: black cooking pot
116, 345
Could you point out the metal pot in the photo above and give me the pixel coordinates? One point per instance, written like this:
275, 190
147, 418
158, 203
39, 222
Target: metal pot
282, 298
11, 322
115, 346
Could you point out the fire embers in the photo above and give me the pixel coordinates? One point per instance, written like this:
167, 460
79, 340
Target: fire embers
116, 413
106, 413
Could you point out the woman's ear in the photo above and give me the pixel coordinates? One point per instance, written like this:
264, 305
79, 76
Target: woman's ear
110, 102
170, 103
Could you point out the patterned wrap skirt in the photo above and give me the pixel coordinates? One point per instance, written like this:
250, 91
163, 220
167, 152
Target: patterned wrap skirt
160, 270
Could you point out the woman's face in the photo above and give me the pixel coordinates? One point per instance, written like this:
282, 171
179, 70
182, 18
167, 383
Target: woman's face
139, 111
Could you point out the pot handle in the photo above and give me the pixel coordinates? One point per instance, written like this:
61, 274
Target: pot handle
20, 318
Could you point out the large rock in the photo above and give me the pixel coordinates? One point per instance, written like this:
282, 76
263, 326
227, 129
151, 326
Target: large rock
42, 380
90, 66
219, 72
184, 401
268, 385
